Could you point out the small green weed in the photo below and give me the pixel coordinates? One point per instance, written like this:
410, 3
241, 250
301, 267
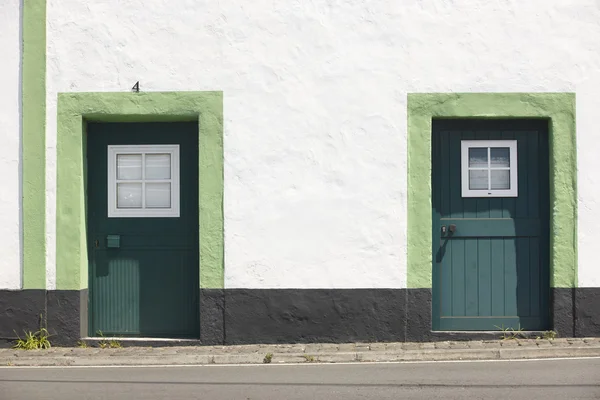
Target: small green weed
549, 335
108, 344
82, 345
511, 333
103, 344
308, 358
34, 341
268, 358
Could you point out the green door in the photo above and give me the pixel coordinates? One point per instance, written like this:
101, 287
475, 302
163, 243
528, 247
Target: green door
142, 195
490, 225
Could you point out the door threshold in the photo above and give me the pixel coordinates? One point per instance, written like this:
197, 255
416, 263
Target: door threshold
490, 332
139, 339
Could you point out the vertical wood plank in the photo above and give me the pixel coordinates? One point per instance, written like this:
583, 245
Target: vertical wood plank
455, 189
458, 277
446, 281
484, 262
471, 277
535, 278
523, 278
522, 200
533, 186
510, 277
443, 172
497, 266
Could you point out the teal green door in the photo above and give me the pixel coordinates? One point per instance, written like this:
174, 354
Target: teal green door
490, 225
142, 205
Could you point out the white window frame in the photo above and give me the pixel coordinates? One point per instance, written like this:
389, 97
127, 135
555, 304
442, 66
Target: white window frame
514, 184
113, 211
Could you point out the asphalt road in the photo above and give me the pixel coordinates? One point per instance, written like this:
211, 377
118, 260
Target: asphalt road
553, 379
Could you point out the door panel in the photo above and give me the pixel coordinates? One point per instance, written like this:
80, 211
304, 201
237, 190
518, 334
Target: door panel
493, 270
147, 286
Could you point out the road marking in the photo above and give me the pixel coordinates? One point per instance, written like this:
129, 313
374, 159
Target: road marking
275, 364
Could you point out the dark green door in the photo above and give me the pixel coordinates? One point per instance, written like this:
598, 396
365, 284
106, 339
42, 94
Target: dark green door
142, 193
490, 224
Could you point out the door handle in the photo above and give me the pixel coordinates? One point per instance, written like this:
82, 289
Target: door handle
451, 229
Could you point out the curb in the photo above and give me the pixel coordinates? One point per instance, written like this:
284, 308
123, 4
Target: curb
302, 358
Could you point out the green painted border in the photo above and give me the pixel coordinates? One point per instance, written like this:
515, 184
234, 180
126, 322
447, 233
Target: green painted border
74, 109
34, 144
559, 108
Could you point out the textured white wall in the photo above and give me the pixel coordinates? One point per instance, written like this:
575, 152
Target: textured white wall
10, 126
315, 109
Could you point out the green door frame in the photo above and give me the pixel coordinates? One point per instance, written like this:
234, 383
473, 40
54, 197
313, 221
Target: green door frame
557, 108
74, 110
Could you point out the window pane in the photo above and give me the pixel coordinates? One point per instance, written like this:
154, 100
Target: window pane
129, 195
129, 166
158, 166
478, 179
500, 157
501, 179
158, 195
478, 157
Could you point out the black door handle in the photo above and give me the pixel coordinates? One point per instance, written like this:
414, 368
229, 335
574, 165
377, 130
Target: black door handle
451, 229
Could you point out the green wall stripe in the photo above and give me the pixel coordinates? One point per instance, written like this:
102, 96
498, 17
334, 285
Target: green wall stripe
559, 108
74, 109
34, 143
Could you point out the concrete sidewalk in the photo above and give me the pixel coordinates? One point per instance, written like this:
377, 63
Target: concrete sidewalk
305, 353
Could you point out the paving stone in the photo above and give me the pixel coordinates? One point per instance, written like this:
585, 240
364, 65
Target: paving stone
288, 348
491, 344
350, 347
476, 345
377, 347
312, 348
395, 346
527, 343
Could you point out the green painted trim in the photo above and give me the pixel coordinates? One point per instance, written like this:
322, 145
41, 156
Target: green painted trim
34, 144
559, 108
74, 109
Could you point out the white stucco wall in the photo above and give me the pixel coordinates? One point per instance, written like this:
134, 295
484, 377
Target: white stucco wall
10, 126
315, 109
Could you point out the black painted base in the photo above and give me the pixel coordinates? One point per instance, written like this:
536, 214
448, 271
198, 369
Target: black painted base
29, 310
243, 316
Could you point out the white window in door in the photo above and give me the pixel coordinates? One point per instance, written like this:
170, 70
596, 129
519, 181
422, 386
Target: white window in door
143, 181
489, 168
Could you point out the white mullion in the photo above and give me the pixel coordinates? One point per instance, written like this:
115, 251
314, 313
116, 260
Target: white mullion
172, 190
143, 181
489, 169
